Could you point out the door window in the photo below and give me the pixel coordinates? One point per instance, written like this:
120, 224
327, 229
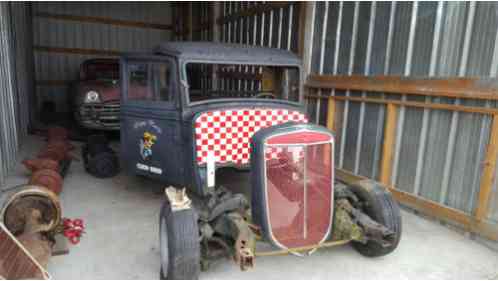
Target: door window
150, 81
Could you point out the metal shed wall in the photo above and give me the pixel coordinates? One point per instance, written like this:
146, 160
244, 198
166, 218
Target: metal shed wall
264, 24
15, 82
438, 154
66, 34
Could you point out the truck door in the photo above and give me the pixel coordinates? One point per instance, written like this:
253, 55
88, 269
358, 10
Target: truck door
151, 118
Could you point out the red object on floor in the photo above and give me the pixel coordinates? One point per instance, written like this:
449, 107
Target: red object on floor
73, 229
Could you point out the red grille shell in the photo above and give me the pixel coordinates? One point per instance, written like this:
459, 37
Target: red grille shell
299, 187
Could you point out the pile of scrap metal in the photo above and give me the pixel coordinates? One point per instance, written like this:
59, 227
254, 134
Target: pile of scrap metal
52, 162
30, 214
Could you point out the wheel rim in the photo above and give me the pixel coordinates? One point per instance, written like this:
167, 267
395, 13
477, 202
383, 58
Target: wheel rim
163, 244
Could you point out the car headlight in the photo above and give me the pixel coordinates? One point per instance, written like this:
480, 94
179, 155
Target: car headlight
92, 96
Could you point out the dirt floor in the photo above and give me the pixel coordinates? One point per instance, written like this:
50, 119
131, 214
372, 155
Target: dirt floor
121, 240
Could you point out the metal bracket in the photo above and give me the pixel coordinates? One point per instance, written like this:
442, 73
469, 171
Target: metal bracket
233, 225
178, 198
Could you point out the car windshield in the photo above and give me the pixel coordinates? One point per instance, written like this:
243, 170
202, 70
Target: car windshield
102, 71
209, 81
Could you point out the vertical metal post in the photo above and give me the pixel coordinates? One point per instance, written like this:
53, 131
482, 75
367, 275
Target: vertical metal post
289, 33
350, 71
454, 118
406, 72
322, 56
280, 20
425, 118
307, 44
366, 72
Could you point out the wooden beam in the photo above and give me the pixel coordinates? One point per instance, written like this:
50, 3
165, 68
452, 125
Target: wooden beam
438, 106
103, 20
331, 108
388, 146
78, 51
258, 9
466, 88
488, 174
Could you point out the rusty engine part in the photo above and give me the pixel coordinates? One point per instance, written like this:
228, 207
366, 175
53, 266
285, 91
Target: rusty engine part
57, 133
52, 161
98, 158
19, 204
47, 178
31, 214
40, 163
16, 262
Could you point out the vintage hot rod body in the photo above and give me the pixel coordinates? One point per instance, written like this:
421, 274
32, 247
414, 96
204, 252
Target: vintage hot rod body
190, 108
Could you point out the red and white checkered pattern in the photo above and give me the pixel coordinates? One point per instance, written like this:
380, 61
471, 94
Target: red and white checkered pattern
227, 133
275, 152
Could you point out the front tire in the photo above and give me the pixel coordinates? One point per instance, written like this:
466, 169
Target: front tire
379, 205
179, 244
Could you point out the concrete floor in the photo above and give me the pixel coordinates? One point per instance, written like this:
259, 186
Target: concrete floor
121, 241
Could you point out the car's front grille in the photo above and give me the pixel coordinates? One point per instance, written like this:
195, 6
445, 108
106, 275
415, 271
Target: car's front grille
105, 115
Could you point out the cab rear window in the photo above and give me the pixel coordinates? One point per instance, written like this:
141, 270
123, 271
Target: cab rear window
208, 81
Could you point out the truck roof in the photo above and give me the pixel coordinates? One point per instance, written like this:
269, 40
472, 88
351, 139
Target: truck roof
224, 52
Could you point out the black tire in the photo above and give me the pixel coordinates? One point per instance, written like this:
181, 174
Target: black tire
179, 244
103, 165
379, 204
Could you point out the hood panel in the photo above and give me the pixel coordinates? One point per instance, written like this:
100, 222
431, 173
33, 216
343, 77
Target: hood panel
226, 133
107, 90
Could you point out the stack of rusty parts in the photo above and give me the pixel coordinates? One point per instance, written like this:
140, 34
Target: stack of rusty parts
31, 213
52, 162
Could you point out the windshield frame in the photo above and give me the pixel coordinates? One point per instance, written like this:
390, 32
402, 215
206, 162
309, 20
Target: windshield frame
184, 80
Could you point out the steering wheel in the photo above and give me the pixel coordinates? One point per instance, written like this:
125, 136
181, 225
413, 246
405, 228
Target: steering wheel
265, 96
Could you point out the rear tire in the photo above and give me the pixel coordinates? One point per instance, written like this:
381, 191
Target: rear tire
179, 244
379, 204
103, 165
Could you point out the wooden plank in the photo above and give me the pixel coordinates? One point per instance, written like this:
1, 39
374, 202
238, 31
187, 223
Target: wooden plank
78, 51
258, 9
467, 88
388, 145
331, 108
488, 174
438, 106
103, 20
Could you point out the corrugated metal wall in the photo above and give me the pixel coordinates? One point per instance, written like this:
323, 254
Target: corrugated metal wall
276, 27
15, 82
438, 154
55, 69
